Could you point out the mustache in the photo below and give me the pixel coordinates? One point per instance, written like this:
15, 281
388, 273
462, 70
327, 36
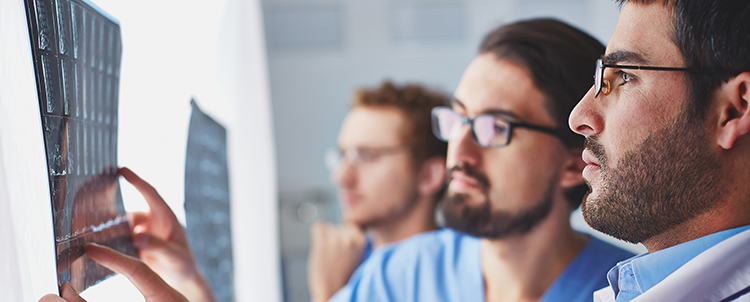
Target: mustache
484, 182
596, 148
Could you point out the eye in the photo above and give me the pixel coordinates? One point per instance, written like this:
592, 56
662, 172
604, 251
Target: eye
501, 128
367, 155
626, 77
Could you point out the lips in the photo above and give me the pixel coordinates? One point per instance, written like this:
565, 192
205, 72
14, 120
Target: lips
461, 182
592, 168
350, 199
589, 158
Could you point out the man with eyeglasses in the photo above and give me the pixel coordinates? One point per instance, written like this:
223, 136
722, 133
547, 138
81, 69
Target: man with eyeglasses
514, 178
390, 172
668, 150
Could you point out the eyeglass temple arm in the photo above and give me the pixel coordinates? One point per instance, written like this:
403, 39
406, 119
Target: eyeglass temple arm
554, 131
662, 68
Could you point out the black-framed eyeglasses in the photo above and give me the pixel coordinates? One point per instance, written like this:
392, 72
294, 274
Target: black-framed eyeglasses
489, 131
599, 73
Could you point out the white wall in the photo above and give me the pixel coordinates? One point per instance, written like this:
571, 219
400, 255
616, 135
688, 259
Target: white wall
172, 51
213, 51
27, 254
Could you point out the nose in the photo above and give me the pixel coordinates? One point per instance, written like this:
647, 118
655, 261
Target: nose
586, 118
344, 175
463, 150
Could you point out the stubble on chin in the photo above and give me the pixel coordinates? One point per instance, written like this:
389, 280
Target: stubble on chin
668, 179
479, 219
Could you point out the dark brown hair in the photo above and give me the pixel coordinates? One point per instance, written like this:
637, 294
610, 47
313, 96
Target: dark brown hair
711, 35
560, 59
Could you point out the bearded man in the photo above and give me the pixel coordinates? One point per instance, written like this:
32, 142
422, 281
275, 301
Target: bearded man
668, 150
514, 177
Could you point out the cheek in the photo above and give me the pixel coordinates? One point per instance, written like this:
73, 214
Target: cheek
386, 187
519, 178
635, 115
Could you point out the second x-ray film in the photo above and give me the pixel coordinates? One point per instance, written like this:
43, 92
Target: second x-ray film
207, 206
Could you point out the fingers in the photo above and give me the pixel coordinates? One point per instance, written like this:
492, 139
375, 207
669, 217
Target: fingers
147, 282
155, 202
162, 219
69, 293
51, 298
154, 246
353, 229
317, 229
138, 221
344, 236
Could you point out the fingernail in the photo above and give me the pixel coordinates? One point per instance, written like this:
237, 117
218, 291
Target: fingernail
90, 245
68, 287
140, 240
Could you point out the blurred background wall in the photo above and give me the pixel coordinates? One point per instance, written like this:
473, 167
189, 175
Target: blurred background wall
320, 50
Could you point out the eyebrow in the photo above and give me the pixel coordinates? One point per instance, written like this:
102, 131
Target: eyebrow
624, 56
455, 101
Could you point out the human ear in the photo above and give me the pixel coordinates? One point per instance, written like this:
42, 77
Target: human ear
571, 173
733, 100
432, 176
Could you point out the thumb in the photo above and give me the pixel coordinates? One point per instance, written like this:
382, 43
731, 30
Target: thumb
138, 221
69, 293
154, 246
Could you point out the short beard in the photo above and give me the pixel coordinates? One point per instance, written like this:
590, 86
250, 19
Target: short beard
485, 222
669, 179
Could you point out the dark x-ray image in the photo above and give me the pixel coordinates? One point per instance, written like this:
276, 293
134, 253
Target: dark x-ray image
207, 209
76, 51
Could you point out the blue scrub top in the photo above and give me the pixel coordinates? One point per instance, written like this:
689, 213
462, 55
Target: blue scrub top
444, 265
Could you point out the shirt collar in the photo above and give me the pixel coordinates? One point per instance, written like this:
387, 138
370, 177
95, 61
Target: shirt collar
638, 274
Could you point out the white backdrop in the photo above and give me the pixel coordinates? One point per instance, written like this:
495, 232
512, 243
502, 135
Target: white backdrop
172, 51
27, 255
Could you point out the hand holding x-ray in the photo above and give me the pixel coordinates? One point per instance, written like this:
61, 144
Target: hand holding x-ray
168, 271
153, 288
163, 245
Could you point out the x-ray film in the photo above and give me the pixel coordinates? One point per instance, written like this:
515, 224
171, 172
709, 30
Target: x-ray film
76, 50
207, 202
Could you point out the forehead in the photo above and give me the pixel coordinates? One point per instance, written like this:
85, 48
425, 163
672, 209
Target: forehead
645, 32
372, 127
489, 84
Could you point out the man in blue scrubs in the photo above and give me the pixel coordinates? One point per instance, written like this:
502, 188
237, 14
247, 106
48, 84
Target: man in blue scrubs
668, 150
390, 173
514, 178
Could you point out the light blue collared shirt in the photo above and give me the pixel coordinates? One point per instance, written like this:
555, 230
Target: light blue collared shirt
444, 266
632, 277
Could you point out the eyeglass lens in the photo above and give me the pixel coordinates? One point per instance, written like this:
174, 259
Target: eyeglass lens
488, 131
598, 74
332, 159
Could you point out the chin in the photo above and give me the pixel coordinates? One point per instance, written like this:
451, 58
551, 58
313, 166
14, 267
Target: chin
354, 219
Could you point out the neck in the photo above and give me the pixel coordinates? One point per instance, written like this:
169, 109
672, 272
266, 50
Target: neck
421, 218
521, 268
728, 214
